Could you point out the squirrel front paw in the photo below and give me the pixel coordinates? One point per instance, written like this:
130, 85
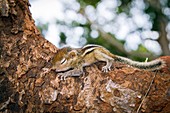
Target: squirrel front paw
70, 73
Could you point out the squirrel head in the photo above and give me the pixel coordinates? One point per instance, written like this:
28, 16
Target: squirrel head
64, 59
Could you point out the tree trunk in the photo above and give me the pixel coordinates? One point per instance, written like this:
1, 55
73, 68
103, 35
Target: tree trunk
163, 40
24, 87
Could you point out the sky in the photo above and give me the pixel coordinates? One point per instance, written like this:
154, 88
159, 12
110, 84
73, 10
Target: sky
123, 27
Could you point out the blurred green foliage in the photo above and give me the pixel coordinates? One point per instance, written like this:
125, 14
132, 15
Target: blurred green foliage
153, 8
89, 2
42, 27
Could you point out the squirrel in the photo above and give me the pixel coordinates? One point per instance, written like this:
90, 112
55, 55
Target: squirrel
70, 61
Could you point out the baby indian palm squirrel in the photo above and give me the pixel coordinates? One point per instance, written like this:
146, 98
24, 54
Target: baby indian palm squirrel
70, 62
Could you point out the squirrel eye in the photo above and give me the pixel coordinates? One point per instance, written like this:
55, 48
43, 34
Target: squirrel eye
63, 60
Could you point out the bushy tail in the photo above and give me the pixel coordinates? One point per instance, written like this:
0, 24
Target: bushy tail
152, 65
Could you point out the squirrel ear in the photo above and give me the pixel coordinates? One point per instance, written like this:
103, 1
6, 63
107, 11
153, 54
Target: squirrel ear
69, 49
73, 53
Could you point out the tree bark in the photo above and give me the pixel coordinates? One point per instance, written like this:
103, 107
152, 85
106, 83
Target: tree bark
24, 87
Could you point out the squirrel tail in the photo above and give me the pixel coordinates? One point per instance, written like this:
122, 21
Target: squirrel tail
152, 65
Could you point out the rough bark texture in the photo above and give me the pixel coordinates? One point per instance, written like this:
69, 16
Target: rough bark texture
24, 87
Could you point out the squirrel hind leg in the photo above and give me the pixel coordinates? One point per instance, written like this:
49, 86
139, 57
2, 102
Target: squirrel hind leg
104, 57
107, 67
